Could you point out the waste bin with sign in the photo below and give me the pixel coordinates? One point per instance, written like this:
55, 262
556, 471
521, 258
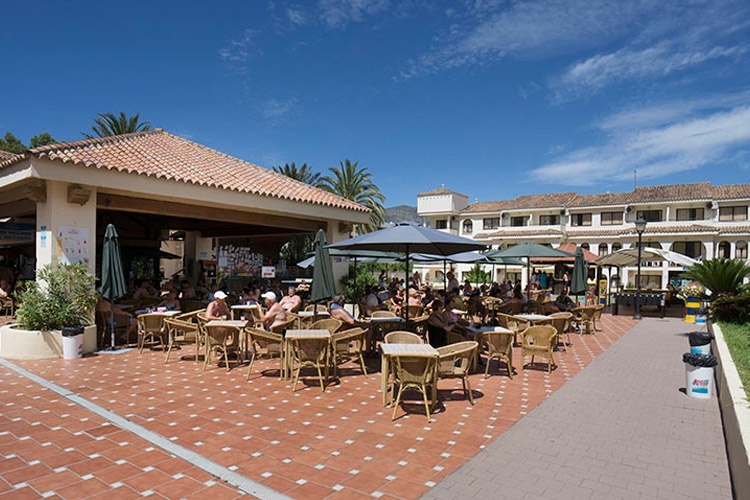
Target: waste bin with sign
699, 374
72, 342
700, 342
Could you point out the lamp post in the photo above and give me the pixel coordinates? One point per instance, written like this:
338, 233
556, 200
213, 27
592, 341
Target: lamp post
640, 226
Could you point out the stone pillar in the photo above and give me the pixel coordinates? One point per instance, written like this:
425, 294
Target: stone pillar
66, 225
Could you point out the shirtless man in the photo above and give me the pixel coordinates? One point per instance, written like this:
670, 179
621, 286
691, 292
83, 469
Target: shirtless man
274, 313
291, 302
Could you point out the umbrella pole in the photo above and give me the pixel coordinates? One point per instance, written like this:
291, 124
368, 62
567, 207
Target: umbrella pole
112, 324
445, 279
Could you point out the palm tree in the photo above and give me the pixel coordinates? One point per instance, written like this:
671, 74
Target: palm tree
108, 124
303, 174
354, 183
721, 276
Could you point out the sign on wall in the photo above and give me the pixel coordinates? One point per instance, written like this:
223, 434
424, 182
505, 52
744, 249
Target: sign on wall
73, 244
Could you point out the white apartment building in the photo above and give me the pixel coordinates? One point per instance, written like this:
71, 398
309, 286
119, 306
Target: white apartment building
698, 220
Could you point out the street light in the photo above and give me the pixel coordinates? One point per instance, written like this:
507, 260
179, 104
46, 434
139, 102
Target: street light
640, 226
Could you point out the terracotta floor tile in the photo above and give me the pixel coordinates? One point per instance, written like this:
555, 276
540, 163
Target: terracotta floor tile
20, 494
83, 489
403, 488
278, 483
179, 488
310, 490
120, 493
26, 474
366, 483
147, 480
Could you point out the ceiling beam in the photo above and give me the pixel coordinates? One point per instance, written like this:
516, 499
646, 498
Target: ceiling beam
173, 209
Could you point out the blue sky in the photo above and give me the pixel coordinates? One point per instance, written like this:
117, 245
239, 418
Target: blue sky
493, 99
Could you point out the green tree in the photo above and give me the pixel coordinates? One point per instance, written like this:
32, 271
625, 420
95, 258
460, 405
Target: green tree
303, 174
477, 274
297, 248
11, 144
721, 276
42, 139
350, 181
108, 124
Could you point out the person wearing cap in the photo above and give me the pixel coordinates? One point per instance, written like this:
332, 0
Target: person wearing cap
291, 302
170, 301
218, 308
275, 314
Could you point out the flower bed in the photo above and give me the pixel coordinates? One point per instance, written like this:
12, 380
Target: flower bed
16, 343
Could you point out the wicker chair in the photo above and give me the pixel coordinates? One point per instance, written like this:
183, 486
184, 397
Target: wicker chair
538, 340
104, 328
320, 307
598, 309
181, 332
402, 337
585, 319
517, 325
290, 322
347, 345
265, 343
383, 314
310, 353
561, 321
7, 306
499, 346
414, 310
454, 361
223, 341
419, 326
413, 372
150, 326
330, 324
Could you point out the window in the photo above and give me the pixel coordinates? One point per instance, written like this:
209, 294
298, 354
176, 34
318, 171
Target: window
740, 250
441, 224
603, 249
611, 218
616, 247
692, 249
468, 226
549, 220
518, 221
581, 219
733, 213
585, 246
723, 251
649, 215
491, 223
689, 214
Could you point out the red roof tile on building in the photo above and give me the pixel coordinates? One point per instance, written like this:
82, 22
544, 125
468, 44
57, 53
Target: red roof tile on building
599, 200
674, 192
533, 233
439, 191
5, 156
732, 192
488, 206
551, 200
161, 155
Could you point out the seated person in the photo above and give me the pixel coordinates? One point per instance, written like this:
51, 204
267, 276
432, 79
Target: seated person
4, 289
145, 291
188, 291
218, 308
451, 318
340, 313
121, 317
170, 301
564, 303
274, 315
291, 302
369, 303
438, 326
414, 299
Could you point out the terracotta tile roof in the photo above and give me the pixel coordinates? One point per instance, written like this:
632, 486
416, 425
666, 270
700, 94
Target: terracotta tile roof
579, 233
599, 200
488, 206
440, 190
551, 200
674, 192
5, 156
732, 192
161, 155
734, 230
570, 248
657, 229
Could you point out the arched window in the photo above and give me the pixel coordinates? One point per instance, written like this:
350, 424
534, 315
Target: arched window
616, 246
603, 249
724, 250
692, 249
468, 226
585, 246
740, 250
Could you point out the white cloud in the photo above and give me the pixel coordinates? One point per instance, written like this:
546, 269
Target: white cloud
277, 112
296, 16
654, 151
339, 13
239, 51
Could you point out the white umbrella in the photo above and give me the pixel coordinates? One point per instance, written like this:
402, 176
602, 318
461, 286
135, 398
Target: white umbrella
629, 257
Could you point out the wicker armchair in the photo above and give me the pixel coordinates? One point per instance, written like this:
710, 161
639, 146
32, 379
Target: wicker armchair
585, 318
290, 322
150, 326
7, 306
265, 343
310, 353
383, 314
517, 325
499, 346
598, 309
347, 345
454, 361
402, 337
538, 340
330, 324
413, 372
222, 340
181, 332
419, 326
561, 321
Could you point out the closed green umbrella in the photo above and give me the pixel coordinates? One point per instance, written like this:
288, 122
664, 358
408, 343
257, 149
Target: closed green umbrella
322, 288
113, 278
578, 279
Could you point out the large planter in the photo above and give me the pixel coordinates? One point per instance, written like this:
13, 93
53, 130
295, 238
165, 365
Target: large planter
692, 306
16, 343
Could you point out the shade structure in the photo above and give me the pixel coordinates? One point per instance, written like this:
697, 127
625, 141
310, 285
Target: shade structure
578, 279
113, 277
360, 255
459, 258
528, 250
322, 288
629, 257
508, 261
408, 238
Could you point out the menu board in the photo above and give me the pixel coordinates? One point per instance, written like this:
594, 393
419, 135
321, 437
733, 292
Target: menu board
73, 244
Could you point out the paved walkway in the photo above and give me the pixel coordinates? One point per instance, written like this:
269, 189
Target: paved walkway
622, 428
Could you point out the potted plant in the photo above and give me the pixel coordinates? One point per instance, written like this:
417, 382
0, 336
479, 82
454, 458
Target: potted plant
63, 296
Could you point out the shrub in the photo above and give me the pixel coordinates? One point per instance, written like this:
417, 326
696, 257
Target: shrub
354, 286
731, 308
721, 276
63, 295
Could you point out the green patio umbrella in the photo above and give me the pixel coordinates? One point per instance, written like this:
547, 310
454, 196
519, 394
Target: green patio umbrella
578, 279
322, 288
113, 277
528, 250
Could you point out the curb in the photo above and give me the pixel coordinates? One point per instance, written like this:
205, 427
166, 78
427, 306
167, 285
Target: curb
735, 415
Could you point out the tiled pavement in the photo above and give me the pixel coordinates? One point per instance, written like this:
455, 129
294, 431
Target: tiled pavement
308, 444
623, 428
